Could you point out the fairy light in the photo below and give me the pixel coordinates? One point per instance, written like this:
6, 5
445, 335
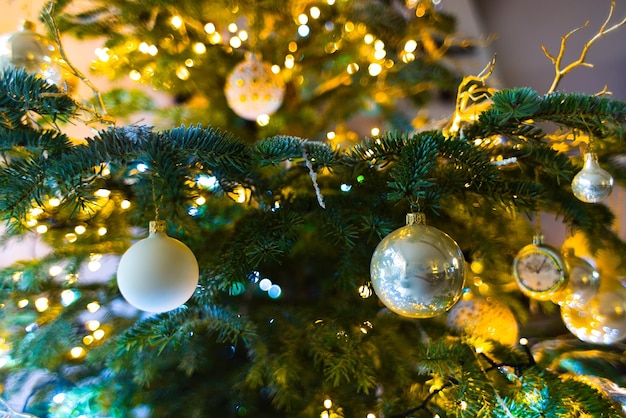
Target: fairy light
290, 61
102, 193
80, 229
93, 306
22, 303
31, 223
102, 54
102, 231
99, 334
328, 403
54, 202
209, 28
55, 270
17, 276
125, 204
189, 62
176, 22
134, 75
370, 415
77, 352
36, 211
330, 135
369, 39
235, 42
215, 38
88, 339
523, 341
68, 297
71, 237
41, 229
275, 69
304, 31
94, 262
375, 131
200, 201
199, 48
410, 45
463, 405
232, 27
183, 73
263, 120
92, 324
243, 35
374, 69
42, 304
352, 68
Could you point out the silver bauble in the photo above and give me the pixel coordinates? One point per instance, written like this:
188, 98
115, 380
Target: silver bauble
418, 271
593, 183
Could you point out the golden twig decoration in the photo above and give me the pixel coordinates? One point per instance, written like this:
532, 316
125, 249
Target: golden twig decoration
557, 61
100, 114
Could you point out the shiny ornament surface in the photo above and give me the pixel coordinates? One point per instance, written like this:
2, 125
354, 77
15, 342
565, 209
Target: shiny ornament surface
252, 89
418, 271
158, 273
602, 320
31, 51
583, 283
593, 183
488, 319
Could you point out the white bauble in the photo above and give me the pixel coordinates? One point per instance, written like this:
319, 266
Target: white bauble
418, 271
31, 51
158, 273
252, 89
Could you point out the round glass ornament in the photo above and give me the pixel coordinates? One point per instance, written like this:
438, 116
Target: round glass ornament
593, 183
158, 273
418, 271
602, 320
583, 283
29, 50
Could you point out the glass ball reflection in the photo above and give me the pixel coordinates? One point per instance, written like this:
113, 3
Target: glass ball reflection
602, 320
418, 271
583, 283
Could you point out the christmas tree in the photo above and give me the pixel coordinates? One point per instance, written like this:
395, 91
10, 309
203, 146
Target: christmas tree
271, 260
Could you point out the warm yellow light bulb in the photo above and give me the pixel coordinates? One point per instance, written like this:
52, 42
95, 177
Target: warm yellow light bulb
92, 325
41, 304
102, 193
41, 229
54, 202
93, 306
88, 339
98, 334
183, 73
374, 69
200, 201
55, 270
77, 352
263, 120
125, 204
235, 42
134, 75
199, 48
328, 403
102, 231
36, 211
22, 303
80, 229
209, 28
315, 12
176, 22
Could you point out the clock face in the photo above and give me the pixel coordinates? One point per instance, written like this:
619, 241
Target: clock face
539, 272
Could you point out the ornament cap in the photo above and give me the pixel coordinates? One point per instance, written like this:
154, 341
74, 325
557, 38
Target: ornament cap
157, 226
415, 218
538, 239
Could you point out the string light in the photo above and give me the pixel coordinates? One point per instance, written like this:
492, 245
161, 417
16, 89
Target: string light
22, 303
41, 229
54, 202
98, 334
55, 270
92, 324
77, 352
125, 204
42, 304
93, 306
80, 229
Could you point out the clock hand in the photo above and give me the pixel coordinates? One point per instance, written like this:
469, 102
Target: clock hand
545, 258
